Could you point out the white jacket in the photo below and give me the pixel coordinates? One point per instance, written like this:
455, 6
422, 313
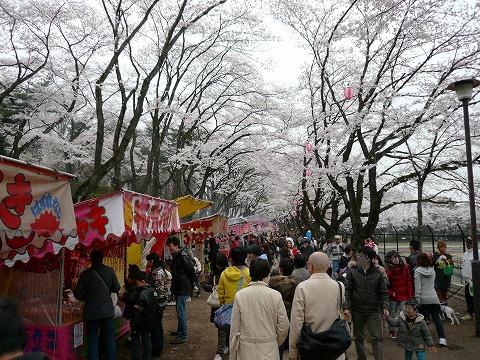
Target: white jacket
259, 323
467, 265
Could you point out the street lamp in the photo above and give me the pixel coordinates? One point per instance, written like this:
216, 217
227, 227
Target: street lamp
464, 90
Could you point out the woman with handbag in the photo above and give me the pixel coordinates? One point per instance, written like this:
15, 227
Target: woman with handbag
259, 319
233, 279
212, 286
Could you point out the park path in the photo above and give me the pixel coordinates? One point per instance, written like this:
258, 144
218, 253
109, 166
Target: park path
202, 340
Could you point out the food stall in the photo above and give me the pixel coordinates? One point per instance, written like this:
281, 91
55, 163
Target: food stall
114, 223
256, 224
41, 254
37, 224
197, 231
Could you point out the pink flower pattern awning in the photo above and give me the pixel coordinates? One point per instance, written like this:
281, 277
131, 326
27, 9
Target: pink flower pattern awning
36, 212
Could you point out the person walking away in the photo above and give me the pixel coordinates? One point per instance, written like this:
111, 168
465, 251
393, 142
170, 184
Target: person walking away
235, 277
307, 308
285, 284
400, 286
365, 300
259, 318
183, 272
300, 273
235, 243
94, 287
467, 277
426, 295
413, 335
253, 252
214, 248
145, 311
443, 265
335, 252
129, 295
212, 281
161, 281
415, 250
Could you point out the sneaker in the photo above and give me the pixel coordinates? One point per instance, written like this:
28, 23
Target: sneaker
392, 335
217, 357
178, 341
225, 350
171, 303
442, 342
467, 317
189, 299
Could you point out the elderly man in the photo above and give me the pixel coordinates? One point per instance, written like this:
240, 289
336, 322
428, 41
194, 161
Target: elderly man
319, 315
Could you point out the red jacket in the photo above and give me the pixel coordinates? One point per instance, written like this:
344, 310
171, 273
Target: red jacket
401, 286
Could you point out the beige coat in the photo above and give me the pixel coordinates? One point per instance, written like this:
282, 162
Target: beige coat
316, 302
259, 323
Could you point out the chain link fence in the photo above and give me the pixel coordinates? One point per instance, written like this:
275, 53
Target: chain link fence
393, 238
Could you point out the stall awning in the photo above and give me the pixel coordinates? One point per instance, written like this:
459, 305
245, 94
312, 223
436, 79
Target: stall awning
198, 230
110, 218
188, 205
36, 211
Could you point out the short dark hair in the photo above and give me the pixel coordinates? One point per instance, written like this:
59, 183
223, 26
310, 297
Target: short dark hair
173, 240
415, 244
157, 262
132, 270
238, 255
300, 261
255, 250
348, 249
237, 238
12, 335
259, 269
423, 260
368, 252
96, 257
140, 276
286, 265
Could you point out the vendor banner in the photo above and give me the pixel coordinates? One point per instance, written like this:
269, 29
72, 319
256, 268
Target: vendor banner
138, 217
197, 231
36, 212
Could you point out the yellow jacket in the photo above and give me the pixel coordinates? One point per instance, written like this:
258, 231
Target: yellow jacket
229, 283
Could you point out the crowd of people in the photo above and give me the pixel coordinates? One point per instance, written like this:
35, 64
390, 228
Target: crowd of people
268, 289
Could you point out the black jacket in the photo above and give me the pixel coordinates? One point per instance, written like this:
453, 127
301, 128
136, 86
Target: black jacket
98, 299
145, 309
365, 292
183, 272
130, 298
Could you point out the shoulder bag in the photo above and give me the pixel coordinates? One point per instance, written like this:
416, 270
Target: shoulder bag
117, 311
330, 343
223, 316
213, 300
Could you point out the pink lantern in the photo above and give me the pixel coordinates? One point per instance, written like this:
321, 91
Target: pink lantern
309, 147
308, 172
348, 93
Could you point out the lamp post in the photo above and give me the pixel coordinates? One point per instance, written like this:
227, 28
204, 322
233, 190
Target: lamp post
464, 90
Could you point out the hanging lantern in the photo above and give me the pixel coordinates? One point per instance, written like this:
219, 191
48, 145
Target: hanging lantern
308, 172
348, 93
309, 147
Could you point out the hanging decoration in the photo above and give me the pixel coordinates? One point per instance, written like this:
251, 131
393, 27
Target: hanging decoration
308, 172
348, 93
309, 147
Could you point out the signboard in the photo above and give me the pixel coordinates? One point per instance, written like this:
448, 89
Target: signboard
36, 212
77, 335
